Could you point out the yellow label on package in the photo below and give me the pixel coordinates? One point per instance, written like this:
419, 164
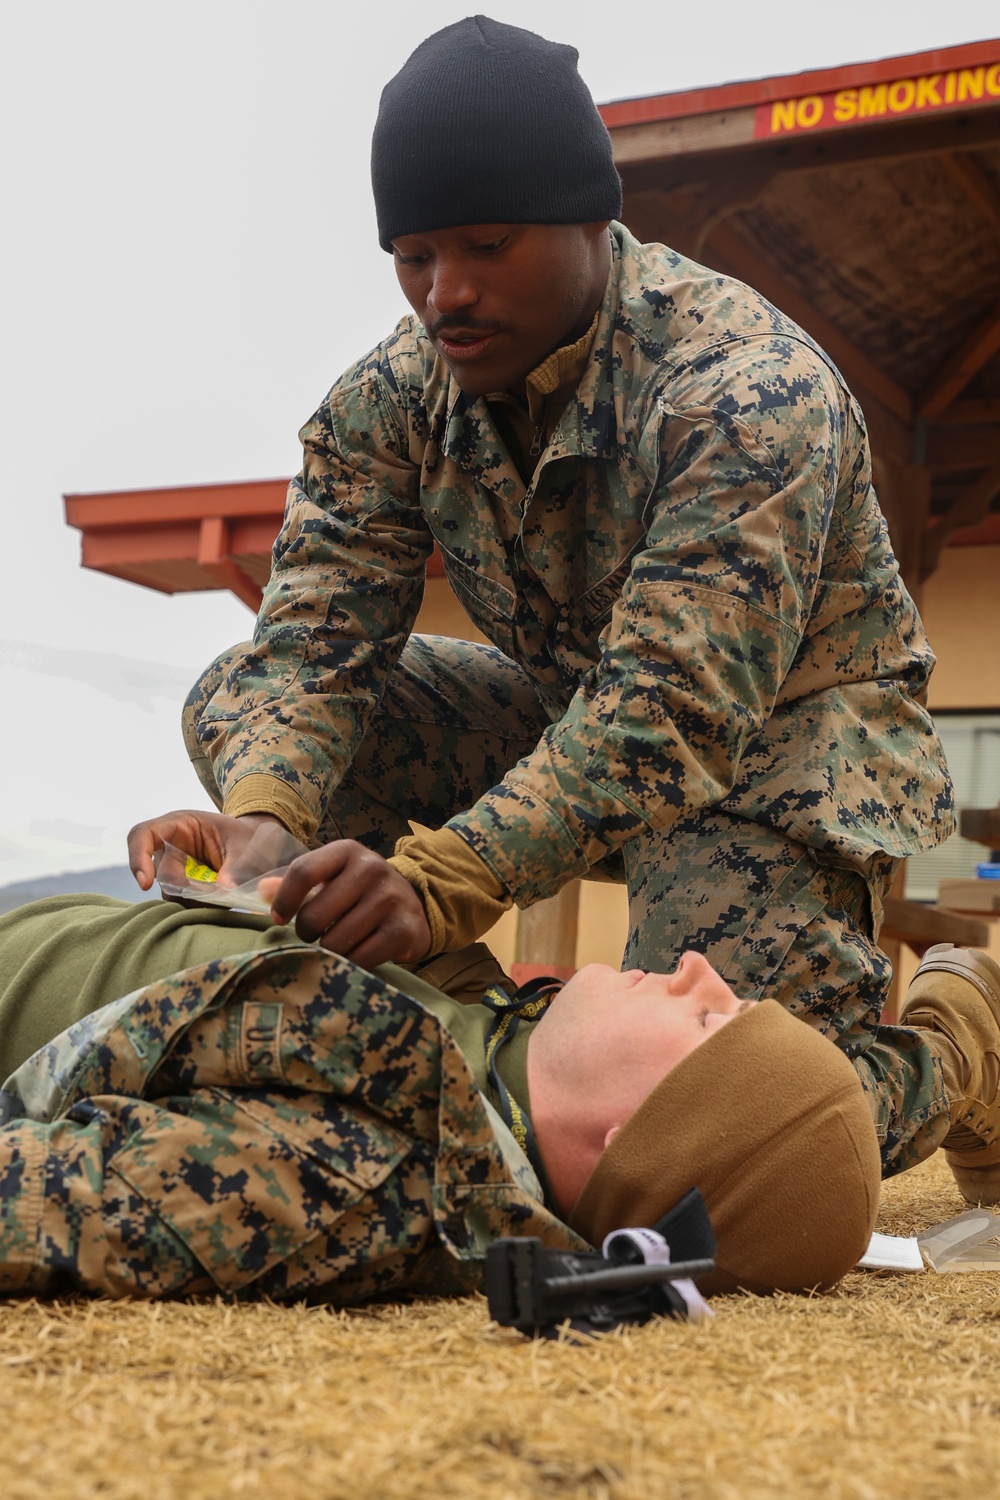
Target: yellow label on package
194, 871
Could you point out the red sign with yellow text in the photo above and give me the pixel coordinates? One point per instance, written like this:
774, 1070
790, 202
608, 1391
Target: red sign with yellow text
960, 88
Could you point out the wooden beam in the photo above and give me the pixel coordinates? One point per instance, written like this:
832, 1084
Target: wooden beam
215, 558
919, 926
890, 438
981, 825
985, 534
974, 182
971, 895
255, 497
971, 412
970, 447
967, 360
904, 493
545, 942
684, 216
753, 92
654, 139
970, 507
882, 143
761, 274
744, 190
172, 549
974, 502
891, 947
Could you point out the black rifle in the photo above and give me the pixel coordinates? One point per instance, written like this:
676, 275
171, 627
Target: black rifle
535, 1289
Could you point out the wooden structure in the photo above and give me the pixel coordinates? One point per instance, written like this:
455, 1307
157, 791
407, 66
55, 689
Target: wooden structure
188, 539
865, 202
982, 825
982, 896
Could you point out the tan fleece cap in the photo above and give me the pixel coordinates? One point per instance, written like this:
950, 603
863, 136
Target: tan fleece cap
770, 1121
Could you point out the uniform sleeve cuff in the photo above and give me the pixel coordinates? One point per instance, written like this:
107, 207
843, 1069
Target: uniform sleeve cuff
267, 794
461, 895
412, 872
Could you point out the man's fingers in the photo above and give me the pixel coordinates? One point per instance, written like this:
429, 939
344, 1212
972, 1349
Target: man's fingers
352, 928
395, 941
268, 888
353, 902
143, 841
350, 907
318, 867
374, 951
387, 925
210, 837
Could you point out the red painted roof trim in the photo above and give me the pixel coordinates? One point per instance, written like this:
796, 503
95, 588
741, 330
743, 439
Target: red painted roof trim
745, 95
159, 525
249, 497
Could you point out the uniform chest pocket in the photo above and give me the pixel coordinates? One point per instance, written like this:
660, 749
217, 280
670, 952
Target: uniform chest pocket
489, 604
247, 1181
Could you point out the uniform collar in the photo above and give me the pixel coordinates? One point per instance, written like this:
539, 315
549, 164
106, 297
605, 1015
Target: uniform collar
562, 371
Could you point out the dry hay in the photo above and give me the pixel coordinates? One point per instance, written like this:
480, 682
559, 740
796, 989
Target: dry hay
887, 1387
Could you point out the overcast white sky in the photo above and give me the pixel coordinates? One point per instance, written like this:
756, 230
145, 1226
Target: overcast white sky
189, 260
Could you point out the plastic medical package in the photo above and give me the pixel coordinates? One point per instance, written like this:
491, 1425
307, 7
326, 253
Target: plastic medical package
181, 877
959, 1244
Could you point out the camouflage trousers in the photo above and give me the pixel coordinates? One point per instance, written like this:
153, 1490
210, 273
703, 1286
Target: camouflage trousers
770, 915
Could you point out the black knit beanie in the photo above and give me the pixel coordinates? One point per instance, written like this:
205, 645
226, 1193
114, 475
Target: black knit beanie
489, 124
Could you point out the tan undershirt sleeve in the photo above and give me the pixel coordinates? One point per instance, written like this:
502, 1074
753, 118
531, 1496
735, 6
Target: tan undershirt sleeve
461, 895
268, 794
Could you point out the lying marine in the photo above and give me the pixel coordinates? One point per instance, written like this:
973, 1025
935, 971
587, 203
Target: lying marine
259, 1116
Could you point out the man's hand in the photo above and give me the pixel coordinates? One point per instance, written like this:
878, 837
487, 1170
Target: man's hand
212, 838
350, 900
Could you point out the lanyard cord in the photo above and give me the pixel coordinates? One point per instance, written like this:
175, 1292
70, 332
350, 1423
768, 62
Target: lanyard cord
527, 1002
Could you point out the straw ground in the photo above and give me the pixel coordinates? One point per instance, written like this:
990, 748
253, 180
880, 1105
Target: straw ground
888, 1387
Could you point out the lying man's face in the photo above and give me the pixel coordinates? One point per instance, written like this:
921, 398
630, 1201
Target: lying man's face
699, 1002
603, 1045
661, 1017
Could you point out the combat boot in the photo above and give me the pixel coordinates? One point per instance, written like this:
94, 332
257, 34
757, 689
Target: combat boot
956, 994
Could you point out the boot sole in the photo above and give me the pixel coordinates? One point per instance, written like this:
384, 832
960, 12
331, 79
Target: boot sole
977, 1185
968, 963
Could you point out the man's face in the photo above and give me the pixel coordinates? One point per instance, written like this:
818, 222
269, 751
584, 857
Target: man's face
652, 1021
496, 299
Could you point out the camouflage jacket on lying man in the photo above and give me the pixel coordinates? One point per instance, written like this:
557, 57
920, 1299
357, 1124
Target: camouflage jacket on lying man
280, 1123
698, 582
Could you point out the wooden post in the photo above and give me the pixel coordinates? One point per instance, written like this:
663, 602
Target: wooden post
546, 936
904, 492
892, 948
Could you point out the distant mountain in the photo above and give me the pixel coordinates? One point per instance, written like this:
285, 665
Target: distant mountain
112, 880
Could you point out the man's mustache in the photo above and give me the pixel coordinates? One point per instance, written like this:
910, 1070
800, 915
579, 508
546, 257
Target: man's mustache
461, 325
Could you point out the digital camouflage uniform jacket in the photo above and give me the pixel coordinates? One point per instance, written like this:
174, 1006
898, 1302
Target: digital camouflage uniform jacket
280, 1123
698, 582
